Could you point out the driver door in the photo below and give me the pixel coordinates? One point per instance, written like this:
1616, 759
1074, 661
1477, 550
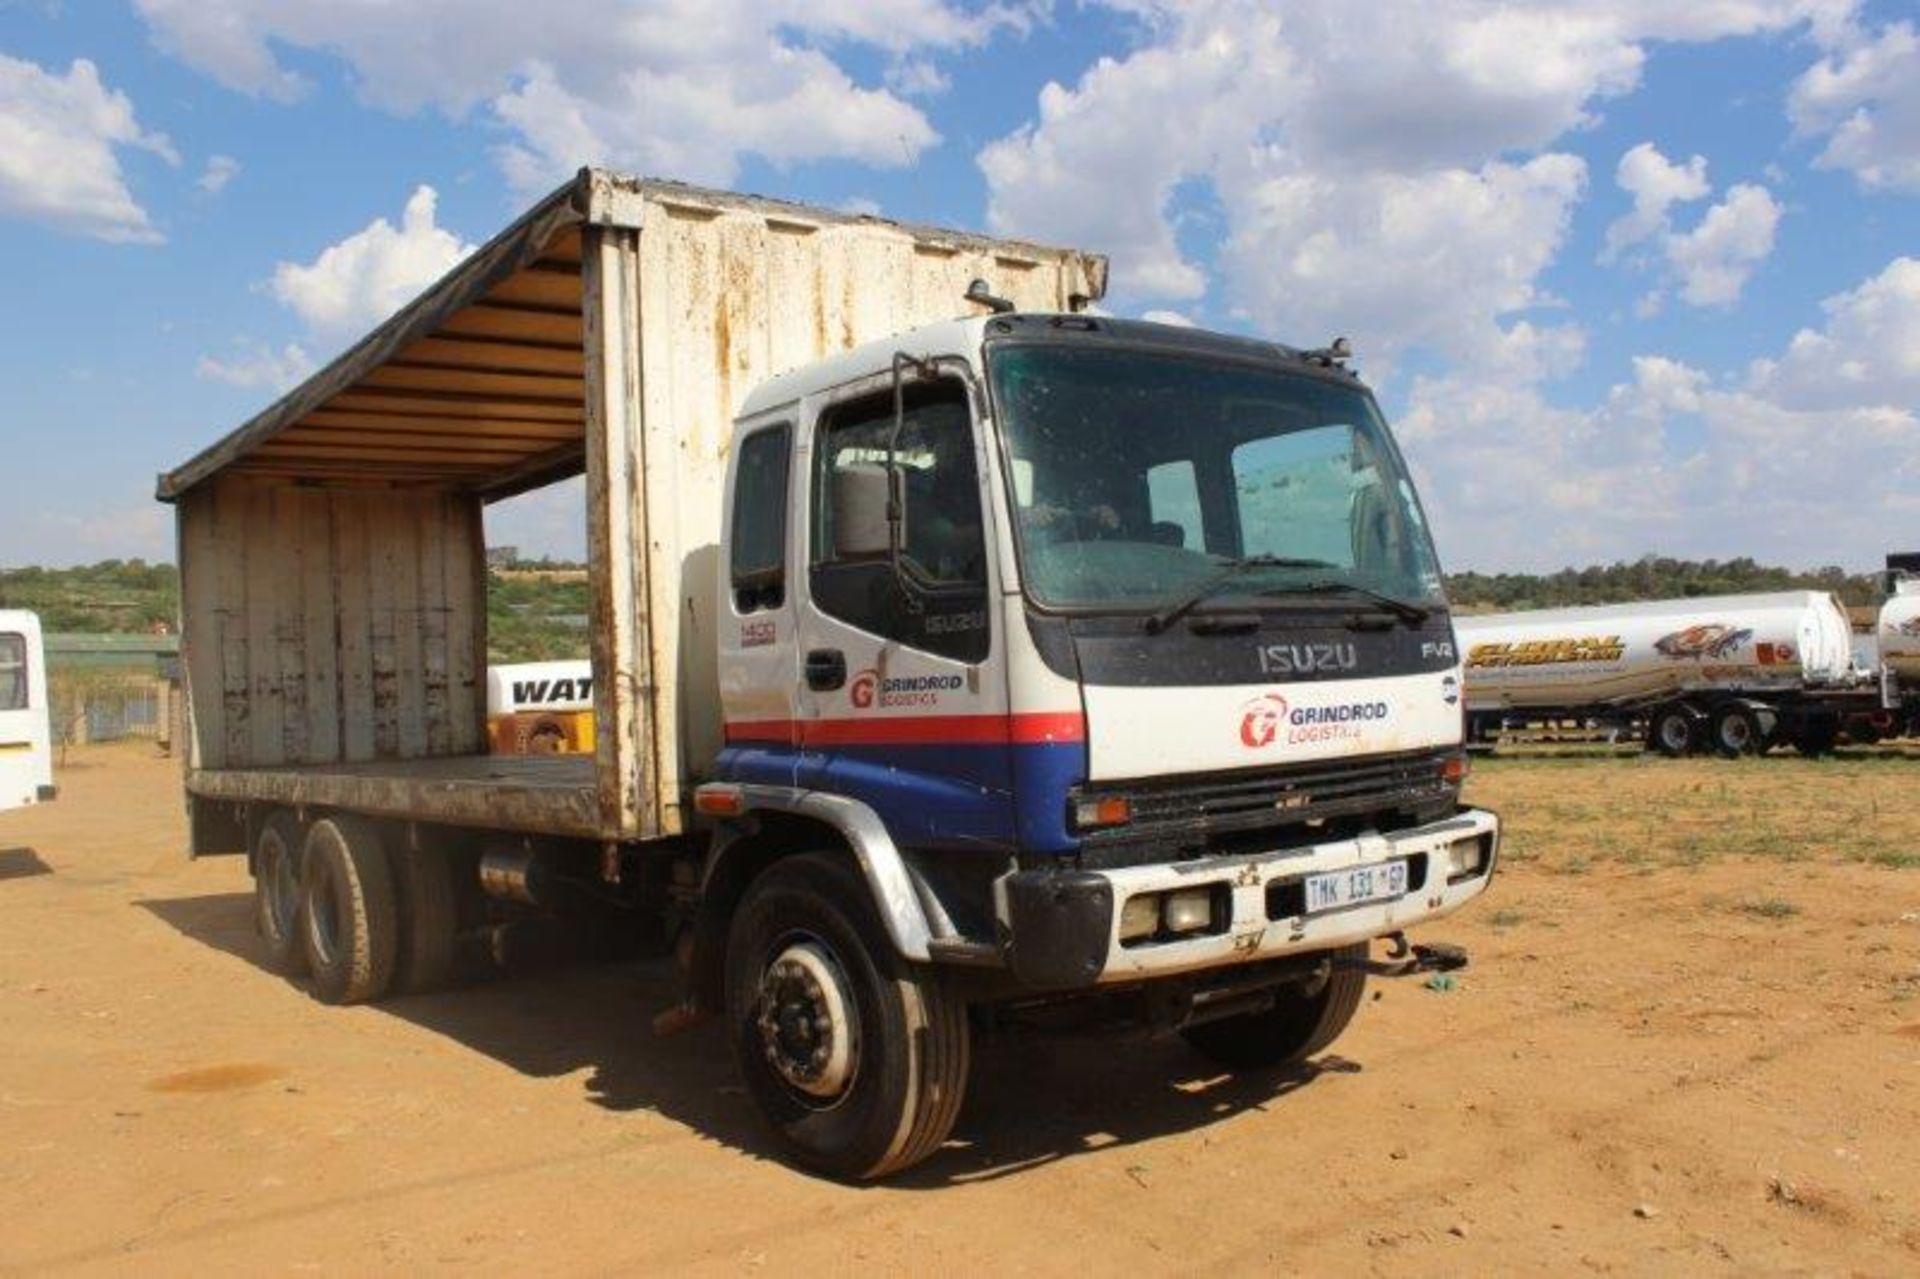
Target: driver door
902, 703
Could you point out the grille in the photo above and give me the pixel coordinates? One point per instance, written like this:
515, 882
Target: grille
1205, 814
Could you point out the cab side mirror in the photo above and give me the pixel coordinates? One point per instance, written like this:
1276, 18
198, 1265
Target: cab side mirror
862, 498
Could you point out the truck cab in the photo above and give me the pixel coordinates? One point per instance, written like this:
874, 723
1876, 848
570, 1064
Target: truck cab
1125, 642
26, 753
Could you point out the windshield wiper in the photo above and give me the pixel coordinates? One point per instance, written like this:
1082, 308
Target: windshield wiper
1412, 614
1234, 568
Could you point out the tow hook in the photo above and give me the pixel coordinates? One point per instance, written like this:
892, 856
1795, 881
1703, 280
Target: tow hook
1404, 959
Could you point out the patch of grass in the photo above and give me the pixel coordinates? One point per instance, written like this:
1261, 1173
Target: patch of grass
1895, 859
1769, 908
1507, 917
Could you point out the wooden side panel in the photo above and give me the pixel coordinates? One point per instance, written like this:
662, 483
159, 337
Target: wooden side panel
353, 622
329, 625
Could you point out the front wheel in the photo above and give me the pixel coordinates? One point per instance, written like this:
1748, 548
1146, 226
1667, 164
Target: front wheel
857, 1060
1303, 1020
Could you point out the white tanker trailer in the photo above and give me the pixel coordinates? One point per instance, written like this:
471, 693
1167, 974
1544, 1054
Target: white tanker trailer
1730, 673
1898, 632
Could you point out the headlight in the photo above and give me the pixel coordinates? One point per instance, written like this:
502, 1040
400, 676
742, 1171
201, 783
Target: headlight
1466, 858
1140, 917
1188, 911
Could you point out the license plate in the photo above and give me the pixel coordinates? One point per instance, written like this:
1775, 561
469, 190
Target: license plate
1356, 886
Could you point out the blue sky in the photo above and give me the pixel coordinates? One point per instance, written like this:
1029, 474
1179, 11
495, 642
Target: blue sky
191, 194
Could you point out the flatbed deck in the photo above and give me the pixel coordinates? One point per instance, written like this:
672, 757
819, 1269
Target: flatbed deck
536, 794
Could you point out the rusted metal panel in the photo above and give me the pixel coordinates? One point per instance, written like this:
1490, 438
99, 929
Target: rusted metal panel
547, 794
617, 533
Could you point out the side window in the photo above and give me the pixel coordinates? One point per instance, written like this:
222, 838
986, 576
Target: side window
13, 672
760, 521
1173, 504
937, 600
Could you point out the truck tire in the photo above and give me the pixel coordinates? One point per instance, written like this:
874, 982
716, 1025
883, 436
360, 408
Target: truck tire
429, 906
277, 895
1737, 730
1302, 1021
857, 1060
1674, 730
352, 913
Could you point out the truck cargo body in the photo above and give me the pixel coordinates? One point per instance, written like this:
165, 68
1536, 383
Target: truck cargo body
26, 745
943, 669
332, 551
1783, 662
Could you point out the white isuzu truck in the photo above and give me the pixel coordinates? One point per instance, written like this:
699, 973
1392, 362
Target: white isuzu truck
1729, 673
26, 745
946, 672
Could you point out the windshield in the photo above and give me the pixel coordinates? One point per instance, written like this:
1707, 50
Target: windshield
1137, 478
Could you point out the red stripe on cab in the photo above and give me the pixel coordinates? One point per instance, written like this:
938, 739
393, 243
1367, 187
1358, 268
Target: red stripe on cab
922, 730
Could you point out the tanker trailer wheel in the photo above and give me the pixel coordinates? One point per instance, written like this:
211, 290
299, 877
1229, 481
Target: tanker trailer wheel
276, 893
1303, 1020
1739, 729
857, 1060
352, 912
1674, 730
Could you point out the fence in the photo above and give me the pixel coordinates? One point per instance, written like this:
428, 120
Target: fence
107, 706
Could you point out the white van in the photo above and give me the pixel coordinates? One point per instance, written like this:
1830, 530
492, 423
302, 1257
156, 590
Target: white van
26, 748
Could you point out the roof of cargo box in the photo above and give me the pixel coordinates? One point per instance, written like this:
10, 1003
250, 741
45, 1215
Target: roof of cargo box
481, 380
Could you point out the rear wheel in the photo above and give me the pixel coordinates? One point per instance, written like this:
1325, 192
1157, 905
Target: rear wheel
1304, 1020
1737, 731
858, 1060
276, 893
1675, 730
352, 931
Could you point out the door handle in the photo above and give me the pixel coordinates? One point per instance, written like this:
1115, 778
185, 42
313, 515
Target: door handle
826, 669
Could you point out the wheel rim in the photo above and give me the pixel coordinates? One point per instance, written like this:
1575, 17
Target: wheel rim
1674, 732
323, 919
808, 1022
1736, 734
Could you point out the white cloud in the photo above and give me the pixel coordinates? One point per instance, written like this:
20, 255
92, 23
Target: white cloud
680, 87
220, 170
60, 139
371, 273
256, 365
1176, 318
1815, 456
1656, 185
1382, 170
1867, 355
1709, 264
1713, 261
1864, 98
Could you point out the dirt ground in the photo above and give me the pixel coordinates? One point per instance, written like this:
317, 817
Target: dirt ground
1689, 1041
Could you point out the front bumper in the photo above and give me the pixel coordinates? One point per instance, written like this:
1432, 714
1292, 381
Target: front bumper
1061, 929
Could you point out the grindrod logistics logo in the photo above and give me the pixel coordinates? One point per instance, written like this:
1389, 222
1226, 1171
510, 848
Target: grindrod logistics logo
1262, 719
